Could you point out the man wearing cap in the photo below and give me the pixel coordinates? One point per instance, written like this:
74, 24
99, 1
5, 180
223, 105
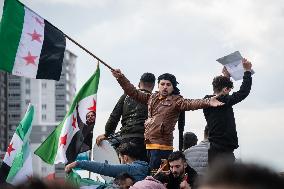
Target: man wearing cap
164, 107
133, 115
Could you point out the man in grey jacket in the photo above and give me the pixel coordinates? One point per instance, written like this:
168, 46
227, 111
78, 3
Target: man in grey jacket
197, 156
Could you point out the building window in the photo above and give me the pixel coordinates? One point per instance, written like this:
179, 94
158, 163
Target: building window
43, 117
43, 106
28, 91
43, 85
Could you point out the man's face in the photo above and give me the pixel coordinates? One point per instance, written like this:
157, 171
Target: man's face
165, 87
126, 183
91, 118
177, 168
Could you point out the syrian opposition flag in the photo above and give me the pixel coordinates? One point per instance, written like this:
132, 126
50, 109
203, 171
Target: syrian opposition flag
65, 142
17, 163
29, 45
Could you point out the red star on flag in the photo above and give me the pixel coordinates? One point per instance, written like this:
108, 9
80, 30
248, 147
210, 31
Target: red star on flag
35, 36
39, 21
74, 122
63, 140
30, 59
94, 107
10, 149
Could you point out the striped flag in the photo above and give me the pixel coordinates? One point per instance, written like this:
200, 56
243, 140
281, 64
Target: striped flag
71, 135
17, 163
29, 45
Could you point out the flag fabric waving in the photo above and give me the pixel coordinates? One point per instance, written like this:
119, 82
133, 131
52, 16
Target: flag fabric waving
29, 45
70, 136
17, 163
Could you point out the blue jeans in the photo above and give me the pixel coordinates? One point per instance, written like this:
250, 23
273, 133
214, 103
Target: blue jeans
155, 157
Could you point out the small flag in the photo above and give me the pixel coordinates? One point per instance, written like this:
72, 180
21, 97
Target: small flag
17, 163
29, 45
70, 136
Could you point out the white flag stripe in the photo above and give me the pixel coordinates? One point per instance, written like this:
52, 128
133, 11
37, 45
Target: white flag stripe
70, 131
25, 173
29, 46
84, 104
16, 143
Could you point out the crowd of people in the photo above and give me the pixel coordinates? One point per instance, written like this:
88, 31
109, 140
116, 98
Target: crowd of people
146, 146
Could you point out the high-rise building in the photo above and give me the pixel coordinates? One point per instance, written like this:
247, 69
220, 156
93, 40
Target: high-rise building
51, 100
3, 113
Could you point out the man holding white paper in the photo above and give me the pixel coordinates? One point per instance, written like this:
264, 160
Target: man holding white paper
220, 120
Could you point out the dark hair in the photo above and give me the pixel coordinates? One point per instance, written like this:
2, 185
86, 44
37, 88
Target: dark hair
172, 79
130, 149
148, 78
220, 82
189, 140
248, 176
176, 156
122, 177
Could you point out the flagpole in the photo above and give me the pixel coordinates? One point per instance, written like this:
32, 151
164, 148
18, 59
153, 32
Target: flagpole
90, 53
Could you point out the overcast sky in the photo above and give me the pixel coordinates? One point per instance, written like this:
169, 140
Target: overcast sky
184, 37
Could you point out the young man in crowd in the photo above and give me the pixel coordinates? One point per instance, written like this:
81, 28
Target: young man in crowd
180, 171
221, 121
130, 163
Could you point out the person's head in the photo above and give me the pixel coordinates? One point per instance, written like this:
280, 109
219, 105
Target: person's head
91, 118
206, 132
222, 85
128, 152
124, 181
189, 140
240, 176
147, 82
177, 163
36, 183
167, 84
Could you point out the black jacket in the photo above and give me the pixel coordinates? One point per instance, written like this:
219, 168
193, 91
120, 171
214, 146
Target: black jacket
174, 183
133, 115
221, 120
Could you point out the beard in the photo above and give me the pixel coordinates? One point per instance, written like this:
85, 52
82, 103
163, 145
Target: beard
178, 175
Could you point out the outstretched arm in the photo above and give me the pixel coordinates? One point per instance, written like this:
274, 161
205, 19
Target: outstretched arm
129, 89
194, 104
100, 168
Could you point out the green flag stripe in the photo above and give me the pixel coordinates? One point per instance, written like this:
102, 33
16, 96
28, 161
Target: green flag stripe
26, 123
18, 162
10, 33
89, 88
48, 149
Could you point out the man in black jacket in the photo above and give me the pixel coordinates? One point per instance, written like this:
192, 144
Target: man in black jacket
220, 120
133, 115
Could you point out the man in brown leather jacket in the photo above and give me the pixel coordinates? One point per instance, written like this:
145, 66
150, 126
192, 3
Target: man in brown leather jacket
164, 107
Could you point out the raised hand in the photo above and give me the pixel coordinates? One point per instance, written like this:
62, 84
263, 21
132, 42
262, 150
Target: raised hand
116, 73
247, 65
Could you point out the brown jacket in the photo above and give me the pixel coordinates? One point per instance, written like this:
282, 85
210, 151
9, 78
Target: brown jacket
162, 114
